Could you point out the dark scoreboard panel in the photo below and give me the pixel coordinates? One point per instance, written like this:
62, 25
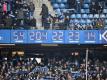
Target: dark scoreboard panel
54, 36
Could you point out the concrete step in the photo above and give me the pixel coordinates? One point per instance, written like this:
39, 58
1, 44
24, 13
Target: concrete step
51, 10
38, 4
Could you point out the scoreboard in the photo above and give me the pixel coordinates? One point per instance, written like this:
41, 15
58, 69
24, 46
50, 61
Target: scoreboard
53, 36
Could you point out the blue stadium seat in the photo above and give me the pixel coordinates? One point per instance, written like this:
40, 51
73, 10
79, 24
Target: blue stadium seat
53, 1
64, 1
83, 21
58, 1
86, 6
76, 21
58, 11
87, 1
71, 21
83, 11
84, 15
90, 16
102, 16
96, 16
106, 21
105, 11
78, 15
55, 6
61, 6
73, 16
105, 28
89, 21
87, 11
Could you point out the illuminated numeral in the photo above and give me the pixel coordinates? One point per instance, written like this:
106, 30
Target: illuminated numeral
38, 36
32, 35
45, 35
57, 36
77, 36
73, 36
90, 36
70, 36
54, 36
18, 36
60, 35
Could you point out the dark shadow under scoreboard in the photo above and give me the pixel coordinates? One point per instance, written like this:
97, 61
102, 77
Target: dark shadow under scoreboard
53, 36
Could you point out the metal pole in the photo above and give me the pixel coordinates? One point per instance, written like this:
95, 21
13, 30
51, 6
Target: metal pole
87, 64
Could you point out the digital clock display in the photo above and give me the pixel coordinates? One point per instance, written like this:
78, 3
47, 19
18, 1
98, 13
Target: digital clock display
37, 36
72, 36
18, 36
54, 36
90, 37
57, 36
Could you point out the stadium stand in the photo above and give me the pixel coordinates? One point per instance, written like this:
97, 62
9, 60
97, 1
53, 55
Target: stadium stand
86, 10
25, 14
17, 14
71, 67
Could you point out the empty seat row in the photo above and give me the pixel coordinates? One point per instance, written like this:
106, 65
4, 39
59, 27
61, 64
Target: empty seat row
87, 1
83, 11
61, 6
65, 1
59, 11
82, 21
88, 11
58, 1
88, 16
86, 6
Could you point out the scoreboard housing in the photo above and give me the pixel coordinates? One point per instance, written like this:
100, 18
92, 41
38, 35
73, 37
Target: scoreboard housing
53, 36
